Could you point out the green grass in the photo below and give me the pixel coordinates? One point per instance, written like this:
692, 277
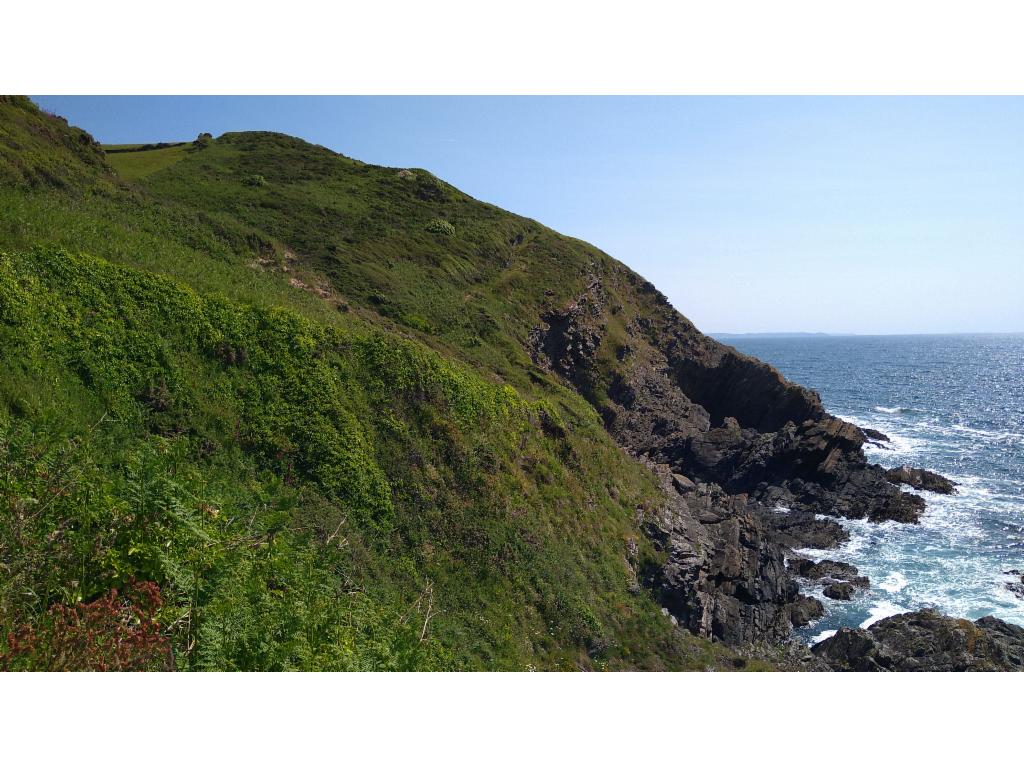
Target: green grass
314, 423
137, 165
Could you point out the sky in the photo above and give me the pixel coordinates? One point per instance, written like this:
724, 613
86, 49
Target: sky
836, 215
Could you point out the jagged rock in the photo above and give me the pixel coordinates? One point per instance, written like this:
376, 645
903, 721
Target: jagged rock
804, 610
804, 529
874, 436
724, 576
840, 590
926, 641
748, 461
832, 570
921, 479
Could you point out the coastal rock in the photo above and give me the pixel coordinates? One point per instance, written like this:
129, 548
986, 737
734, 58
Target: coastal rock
804, 610
875, 437
750, 464
1016, 587
724, 575
926, 641
840, 590
921, 479
832, 570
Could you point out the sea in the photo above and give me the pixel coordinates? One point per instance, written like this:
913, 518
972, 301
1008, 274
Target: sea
952, 404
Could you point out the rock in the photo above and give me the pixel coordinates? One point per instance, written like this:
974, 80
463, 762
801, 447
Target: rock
804, 610
832, 570
749, 463
926, 641
682, 483
921, 479
724, 575
874, 436
1016, 587
840, 590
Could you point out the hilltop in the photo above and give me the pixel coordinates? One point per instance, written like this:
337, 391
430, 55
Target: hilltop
312, 413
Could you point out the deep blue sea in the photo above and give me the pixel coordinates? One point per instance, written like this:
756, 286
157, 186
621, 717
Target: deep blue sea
953, 404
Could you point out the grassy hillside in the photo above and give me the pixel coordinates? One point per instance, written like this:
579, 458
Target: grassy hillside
289, 394
136, 161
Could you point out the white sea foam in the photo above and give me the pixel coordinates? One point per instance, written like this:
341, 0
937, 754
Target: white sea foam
883, 609
894, 582
897, 409
823, 636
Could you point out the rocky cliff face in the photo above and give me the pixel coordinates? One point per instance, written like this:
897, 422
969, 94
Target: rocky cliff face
747, 460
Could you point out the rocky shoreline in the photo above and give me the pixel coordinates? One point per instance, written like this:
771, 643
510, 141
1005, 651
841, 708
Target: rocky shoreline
752, 468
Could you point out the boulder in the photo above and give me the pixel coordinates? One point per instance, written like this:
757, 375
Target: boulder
840, 590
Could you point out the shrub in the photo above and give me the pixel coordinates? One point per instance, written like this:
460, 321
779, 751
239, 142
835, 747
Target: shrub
114, 633
441, 227
256, 180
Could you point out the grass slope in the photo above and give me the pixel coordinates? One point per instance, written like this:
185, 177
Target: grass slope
143, 161
266, 380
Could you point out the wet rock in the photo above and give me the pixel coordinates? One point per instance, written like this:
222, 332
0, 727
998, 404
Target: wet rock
840, 590
804, 610
921, 479
1016, 587
874, 436
825, 569
805, 530
926, 641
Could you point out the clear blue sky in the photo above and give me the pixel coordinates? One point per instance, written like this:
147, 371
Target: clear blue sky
862, 215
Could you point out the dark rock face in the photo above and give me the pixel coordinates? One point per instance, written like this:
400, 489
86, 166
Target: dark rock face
926, 641
921, 479
724, 576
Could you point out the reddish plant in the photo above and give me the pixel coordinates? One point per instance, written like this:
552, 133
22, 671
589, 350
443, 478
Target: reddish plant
113, 633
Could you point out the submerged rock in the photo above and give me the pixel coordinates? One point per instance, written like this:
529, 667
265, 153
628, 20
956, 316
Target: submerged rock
926, 641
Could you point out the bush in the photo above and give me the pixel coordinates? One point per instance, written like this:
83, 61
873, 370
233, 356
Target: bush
256, 180
114, 633
441, 227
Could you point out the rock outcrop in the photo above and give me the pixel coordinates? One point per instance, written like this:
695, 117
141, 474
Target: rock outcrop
921, 479
724, 576
749, 463
926, 641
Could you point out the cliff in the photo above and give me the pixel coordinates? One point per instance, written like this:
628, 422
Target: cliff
480, 442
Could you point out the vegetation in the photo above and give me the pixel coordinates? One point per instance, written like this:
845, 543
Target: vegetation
283, 425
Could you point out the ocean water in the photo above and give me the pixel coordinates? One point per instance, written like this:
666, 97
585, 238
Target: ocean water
952, 404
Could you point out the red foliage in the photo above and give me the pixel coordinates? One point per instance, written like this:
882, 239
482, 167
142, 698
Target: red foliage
113, 633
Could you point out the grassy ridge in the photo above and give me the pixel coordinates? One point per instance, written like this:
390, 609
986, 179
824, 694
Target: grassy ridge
143, 162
